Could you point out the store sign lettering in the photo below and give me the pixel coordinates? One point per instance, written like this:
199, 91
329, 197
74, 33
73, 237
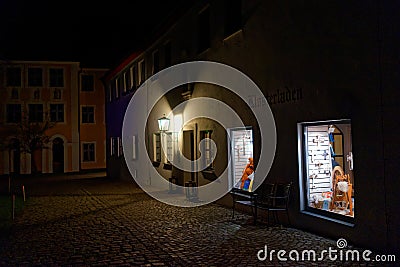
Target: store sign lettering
288, 95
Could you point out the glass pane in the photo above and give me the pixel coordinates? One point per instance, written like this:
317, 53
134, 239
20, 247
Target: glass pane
242, 158
329, 187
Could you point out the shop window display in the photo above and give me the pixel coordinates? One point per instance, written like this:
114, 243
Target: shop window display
242, 158
327, 161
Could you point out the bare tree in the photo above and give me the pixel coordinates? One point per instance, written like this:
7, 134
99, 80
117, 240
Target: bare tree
31, 135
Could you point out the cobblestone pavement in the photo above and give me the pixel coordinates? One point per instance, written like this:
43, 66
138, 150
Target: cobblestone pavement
97, 222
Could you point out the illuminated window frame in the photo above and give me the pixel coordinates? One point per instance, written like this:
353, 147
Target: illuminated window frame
320, 203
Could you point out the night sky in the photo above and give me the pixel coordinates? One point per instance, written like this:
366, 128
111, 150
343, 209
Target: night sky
95, 33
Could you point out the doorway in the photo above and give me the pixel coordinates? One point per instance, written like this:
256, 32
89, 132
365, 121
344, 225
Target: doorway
58, 155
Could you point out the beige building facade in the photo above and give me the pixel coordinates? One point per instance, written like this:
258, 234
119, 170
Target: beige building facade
61, 93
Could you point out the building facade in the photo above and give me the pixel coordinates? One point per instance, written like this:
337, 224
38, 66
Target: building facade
330, 84
36, 93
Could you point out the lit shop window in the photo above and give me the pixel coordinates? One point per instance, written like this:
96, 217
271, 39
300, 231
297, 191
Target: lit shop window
242, 171
327, 167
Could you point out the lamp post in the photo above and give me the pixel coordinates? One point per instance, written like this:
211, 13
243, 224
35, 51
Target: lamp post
163, 126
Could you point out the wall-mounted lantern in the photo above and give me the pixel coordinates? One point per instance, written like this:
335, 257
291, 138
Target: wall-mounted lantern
163, 124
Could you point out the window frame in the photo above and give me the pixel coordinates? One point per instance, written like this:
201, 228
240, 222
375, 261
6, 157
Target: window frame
132, 73
207, 135
157, 147
18, 85
57, 82
127, 81
141, 71
304, 179
89, 160
14, 113
29, 79
30, 119
94, 114
83, 88
63, 112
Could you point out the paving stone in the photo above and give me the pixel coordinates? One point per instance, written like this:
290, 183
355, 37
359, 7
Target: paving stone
100, 222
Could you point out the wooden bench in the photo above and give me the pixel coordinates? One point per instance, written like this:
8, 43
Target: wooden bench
273, 198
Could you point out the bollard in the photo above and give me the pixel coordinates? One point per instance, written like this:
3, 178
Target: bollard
23, 191
9, 184
13, 206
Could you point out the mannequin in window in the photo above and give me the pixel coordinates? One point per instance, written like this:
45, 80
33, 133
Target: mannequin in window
247, 176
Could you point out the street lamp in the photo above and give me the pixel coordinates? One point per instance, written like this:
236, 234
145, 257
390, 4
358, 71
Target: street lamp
163, 124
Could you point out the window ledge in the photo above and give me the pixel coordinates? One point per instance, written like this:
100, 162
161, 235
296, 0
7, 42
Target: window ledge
240, 31
328, 218
203, 53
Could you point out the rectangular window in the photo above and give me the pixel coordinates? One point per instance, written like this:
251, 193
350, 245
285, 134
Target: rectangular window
167, 54
327, 168
133, 78
35, 77
127, 81
113, 146
203, 30
89, 152
87, 114
112, 90
142, 72
56, 77
13, 76
119, 148
87, 83
242, 154
120, 84
156, 61
57, 112
233, 16
116, 87
13, 113
35, 112
171, 141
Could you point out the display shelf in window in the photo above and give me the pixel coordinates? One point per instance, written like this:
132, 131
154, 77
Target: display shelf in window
327, 179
